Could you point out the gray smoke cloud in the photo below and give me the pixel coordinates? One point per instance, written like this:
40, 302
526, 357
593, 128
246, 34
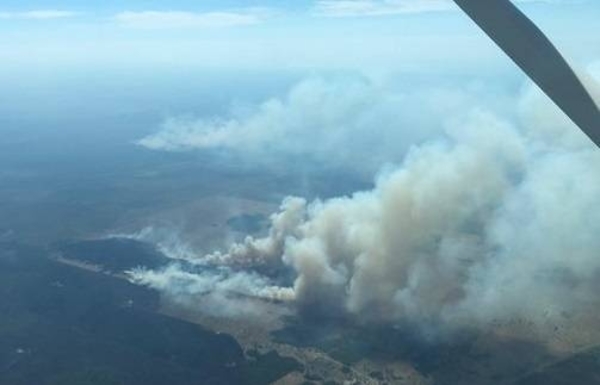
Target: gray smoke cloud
497, 219
352, 122
218, 292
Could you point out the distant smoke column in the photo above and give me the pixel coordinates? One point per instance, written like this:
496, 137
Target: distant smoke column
527, 46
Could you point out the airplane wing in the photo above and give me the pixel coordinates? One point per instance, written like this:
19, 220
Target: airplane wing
531, 50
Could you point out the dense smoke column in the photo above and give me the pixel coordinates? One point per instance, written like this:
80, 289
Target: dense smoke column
531, 50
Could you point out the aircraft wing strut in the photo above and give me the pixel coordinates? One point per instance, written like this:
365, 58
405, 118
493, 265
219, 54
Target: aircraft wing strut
533, 52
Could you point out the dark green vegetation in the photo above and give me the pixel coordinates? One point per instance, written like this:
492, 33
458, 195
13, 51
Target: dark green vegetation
582, 368
62, 325
69, 170
468, 359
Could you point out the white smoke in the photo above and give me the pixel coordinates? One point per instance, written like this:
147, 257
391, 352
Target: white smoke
497, 219
347, 121
166, 240
219, 292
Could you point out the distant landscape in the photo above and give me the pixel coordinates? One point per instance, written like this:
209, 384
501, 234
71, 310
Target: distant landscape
186, 211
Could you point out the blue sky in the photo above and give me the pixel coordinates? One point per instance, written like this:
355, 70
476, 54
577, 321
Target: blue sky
311, 35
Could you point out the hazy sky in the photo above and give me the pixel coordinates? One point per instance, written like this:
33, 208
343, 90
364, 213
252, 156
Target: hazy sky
421, 35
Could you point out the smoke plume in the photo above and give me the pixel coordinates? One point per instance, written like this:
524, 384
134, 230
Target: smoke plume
352, 122
497, 219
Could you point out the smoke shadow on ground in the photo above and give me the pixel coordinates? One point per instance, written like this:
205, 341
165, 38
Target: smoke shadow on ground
467, 357
581, 368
